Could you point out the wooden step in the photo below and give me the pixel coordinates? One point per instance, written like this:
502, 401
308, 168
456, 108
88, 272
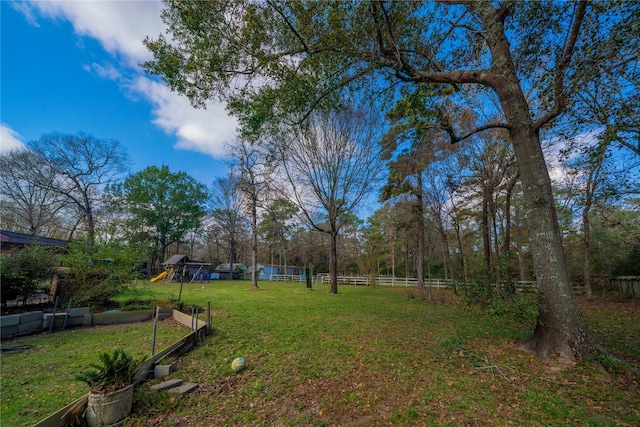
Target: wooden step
166, 385
183, 388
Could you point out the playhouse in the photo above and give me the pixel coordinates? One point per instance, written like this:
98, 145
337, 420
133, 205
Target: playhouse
178, 265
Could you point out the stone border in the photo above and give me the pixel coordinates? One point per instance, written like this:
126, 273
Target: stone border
38, 321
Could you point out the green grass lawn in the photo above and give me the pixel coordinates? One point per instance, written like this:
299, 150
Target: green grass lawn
39, 380
378, 357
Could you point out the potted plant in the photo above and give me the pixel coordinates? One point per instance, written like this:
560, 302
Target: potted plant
112, 384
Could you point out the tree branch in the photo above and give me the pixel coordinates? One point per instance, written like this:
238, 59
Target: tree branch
455, 139
374, 13
345, 81
485, 77
560, 100
290, 25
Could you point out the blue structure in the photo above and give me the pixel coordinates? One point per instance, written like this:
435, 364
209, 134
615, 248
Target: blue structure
268, 271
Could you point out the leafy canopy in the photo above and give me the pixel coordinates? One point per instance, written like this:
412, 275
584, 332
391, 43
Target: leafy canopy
167, 203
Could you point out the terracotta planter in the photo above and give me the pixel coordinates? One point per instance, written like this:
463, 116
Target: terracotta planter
110, 408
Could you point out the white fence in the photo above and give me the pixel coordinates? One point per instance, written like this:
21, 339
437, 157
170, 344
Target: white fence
522, 286
386, 281
413, 282
279, 277
288, 278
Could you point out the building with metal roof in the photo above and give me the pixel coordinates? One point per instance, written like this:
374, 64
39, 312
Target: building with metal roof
11, 241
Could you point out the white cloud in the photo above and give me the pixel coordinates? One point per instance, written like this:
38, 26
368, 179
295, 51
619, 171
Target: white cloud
27, 11
9, 139
120, 27
200, 130
556, 159
105, 71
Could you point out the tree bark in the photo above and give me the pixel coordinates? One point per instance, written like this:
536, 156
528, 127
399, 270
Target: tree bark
561, 328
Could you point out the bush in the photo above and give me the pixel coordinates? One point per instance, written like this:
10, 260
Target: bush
97, 272
519, 306
21, 273
10, 278
479, 292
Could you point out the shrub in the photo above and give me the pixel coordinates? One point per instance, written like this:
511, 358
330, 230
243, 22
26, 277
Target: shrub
97, 272
519, 306
24, 271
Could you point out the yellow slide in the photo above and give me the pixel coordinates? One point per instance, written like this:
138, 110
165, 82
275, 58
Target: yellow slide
159, 276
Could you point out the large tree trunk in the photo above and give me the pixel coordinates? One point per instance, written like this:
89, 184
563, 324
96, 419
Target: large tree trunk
561, 328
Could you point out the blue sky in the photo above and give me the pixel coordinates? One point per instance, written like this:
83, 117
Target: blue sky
69, 66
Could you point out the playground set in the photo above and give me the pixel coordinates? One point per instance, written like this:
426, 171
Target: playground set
181, 268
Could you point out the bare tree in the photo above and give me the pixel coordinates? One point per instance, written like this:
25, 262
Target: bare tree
227, 212
82, 165
493, 169
332, 166
278, 221
33, 207
600, 178
256, 173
